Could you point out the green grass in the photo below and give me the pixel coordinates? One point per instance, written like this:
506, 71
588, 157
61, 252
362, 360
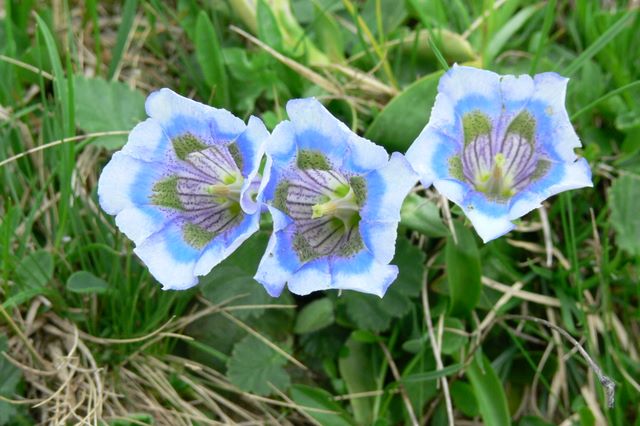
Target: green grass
119, 350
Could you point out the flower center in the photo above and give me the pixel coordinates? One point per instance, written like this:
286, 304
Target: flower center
498, 163
228, 189
341, 204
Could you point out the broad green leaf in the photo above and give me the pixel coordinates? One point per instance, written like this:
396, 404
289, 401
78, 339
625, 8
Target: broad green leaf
84, 282
254, 365
420, 391
358, 373
232, 281
404, 117
315, 316
268, 29
35, 270
329, 35
103, 106
366, 311
624, 199
463, 271
489, 392
422, 215
464, 399
211, 60
312, 397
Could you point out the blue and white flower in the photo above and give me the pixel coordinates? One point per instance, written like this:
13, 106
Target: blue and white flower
498, 146
335, 201
185, 188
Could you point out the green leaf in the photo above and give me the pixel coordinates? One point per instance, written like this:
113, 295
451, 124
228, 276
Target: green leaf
102, 106
10, 376
268, 29
232, 281
128, 16
464, 399
84, 282
506, 32
35, 270
329, 34
422, 215
253, 365
624, 199
312, 397
358, 373
432, 375
369, 312
451, 341
463, 271
404, 117
211, 60
489, 392
315, 316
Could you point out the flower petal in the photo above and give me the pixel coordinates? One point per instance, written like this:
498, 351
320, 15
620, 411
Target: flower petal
279, 262
430, 154
380, 239
387, 188
364, 155
362, 272
250, 145
313, 276
124, 189
178, 115
469, 89
490, 219
553, 127
317, 129
169, 258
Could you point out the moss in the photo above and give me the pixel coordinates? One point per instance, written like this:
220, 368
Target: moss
186, 144
235, 154
196, 236
165, 193
359, 186
524, 124
474, 124
455, 167
316, 160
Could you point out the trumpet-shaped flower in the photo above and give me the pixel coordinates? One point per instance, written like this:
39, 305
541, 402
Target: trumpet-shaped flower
498, 146
335, 201
185, 188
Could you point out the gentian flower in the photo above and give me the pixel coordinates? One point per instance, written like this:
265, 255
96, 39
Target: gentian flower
335, 201
498, 146
185, 188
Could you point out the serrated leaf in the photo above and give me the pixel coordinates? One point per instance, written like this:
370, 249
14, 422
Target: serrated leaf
35, 270
254, 365
624, 199
463, 271
210, 58
489, 392
315, 316
232, 281
404, 117
422, 215
366, 311
308, 396
102, 106
84, 282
